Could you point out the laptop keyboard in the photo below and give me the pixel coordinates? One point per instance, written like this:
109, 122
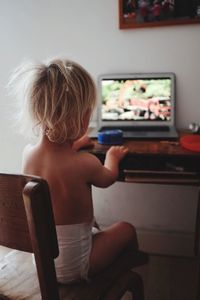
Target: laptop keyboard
138, 128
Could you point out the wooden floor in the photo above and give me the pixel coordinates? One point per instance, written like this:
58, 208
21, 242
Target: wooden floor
169, 278
165, 278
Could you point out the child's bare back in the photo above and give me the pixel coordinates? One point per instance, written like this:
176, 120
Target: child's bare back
68, 177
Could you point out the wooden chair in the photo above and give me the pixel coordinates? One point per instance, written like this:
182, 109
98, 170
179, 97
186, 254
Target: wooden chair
27, 225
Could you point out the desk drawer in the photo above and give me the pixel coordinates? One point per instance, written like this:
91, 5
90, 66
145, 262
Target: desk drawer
161, 177
161, 163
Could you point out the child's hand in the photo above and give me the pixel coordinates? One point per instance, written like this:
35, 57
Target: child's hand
113, 157
117, 152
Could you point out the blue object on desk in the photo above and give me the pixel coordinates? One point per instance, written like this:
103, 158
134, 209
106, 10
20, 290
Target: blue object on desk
110, 137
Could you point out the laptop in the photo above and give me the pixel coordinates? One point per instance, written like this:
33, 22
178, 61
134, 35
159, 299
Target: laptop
141, 105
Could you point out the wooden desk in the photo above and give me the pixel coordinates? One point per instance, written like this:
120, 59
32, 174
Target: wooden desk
160, 162
156, 162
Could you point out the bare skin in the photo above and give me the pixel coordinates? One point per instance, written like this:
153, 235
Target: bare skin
70, 175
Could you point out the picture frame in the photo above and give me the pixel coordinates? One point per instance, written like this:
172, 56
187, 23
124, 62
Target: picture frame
153, 13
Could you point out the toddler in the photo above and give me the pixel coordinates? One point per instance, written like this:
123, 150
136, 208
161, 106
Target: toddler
59, 97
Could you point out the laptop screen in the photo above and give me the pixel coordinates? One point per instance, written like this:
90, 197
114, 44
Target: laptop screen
147, 98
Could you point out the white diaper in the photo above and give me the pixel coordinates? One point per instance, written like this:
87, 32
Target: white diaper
75, 242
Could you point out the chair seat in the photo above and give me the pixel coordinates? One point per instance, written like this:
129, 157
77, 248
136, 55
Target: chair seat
18, 277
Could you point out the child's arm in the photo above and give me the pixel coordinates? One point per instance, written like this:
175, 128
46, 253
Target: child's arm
113, 157
107, 174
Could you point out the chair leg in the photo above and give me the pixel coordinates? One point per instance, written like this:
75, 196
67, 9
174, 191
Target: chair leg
198, 279
128, 282
136, 286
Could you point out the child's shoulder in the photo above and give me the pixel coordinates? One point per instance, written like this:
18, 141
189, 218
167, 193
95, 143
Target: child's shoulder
27, 149
27, 154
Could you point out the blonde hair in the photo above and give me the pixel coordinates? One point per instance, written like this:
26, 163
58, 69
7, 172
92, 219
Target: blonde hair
58, 96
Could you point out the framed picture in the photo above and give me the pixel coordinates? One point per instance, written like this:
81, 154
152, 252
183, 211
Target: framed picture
150, 13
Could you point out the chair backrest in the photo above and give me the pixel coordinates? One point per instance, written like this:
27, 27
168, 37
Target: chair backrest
27, 224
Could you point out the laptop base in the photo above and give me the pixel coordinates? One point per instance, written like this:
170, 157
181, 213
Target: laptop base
139, 134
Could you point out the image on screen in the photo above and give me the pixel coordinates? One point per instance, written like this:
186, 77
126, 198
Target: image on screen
136, 99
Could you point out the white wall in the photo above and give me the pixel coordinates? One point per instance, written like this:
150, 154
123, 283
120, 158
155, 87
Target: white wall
87, 31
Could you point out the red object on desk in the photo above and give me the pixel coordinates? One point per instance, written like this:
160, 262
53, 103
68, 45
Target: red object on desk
191, 142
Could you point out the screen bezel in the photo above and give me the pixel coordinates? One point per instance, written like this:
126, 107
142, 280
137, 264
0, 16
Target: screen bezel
132, 76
